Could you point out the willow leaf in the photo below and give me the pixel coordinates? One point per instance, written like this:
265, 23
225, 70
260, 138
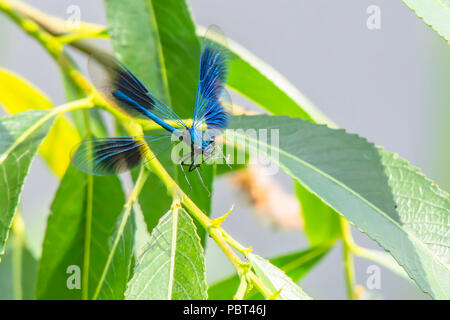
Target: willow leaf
296, 265
378, 192
172, 266
435, 13
385, 259
276, 280
18, 95
121, 266
20, 137
18, 269
65, 236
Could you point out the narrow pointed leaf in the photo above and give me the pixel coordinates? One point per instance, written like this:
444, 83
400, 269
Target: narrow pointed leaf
65, 236
121, 266
20, 137
381, 194
385, 259
172, 266
181, 53
435, 13
276, 280
18, 264
296, 265
18, 95
136, 42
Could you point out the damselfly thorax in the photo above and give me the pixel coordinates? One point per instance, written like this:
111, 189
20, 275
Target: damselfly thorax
200, 146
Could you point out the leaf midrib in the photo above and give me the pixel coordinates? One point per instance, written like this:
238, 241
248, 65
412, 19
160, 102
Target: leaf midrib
160, 51
370, 204
50, 113
26, 134
172, 253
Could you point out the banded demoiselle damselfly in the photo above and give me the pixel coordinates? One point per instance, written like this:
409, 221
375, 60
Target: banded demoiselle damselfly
112, 155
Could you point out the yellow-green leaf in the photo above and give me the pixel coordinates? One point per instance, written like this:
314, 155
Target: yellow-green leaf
18, 95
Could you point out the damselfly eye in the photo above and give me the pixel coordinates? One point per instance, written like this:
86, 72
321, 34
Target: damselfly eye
180, 138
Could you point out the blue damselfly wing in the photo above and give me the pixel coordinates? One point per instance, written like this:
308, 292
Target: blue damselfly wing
124, 90
114, 155
214, 62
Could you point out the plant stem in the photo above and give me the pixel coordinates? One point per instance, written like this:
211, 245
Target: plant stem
242, 289
77, 36
262, 288
30, 27
349, 267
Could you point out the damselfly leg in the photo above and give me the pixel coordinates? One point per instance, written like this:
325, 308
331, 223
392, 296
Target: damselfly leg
182, 164
192, 166
200, 176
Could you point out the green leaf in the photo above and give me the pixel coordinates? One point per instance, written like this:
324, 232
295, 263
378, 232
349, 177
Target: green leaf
135, 41
21, 135
384, 259
153, 198
65, 237
381, 194
156, 40
28, 275
18, 95
180, 51
172, 267
121, 266
296, 265
321, 222
276, 280
435, 13
20, 265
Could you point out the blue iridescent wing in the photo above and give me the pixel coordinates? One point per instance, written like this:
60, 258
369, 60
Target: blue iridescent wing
107, 156
210, 108
124, 90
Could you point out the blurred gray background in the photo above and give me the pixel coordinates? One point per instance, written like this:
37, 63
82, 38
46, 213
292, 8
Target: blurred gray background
387, 85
